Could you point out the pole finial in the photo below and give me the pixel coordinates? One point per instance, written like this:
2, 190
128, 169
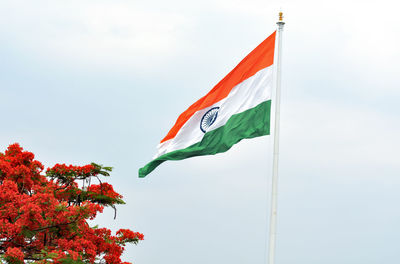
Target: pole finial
280, 21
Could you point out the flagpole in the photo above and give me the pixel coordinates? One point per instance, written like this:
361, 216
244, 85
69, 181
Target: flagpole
274, 193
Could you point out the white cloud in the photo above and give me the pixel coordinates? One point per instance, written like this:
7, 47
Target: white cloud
117, 34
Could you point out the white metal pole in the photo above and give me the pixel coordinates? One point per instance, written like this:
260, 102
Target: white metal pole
274, 193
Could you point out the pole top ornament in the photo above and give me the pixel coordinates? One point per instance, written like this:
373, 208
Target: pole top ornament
280, 21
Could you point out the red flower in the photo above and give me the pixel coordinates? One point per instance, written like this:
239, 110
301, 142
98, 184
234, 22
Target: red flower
45, 217
14, 255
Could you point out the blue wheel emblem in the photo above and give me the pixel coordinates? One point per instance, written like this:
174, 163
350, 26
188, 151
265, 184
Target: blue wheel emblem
208, 119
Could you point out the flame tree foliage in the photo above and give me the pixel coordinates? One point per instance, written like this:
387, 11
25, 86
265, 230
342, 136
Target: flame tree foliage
44, 216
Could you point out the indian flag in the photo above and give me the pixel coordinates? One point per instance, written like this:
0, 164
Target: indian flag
238, 107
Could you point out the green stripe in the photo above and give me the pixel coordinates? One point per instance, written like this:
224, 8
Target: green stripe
251, 123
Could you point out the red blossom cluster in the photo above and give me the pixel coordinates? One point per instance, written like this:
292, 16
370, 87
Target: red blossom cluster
71, 170
103, 189
43, 218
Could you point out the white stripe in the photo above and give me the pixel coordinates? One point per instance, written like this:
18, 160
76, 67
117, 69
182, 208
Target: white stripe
246, 95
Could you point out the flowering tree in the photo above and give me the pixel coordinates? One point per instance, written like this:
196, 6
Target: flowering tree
44, 217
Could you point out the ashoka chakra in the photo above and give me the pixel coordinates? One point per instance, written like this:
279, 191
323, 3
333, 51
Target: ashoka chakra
208, 119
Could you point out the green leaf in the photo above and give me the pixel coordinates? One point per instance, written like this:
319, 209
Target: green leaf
108, 168
28, 233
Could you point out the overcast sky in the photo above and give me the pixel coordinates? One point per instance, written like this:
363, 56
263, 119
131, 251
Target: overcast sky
104, 81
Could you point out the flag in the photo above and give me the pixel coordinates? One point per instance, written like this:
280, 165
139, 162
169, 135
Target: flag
238, 107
